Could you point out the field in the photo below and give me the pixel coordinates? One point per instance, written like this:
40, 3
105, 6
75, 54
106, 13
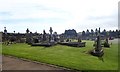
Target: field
65, 56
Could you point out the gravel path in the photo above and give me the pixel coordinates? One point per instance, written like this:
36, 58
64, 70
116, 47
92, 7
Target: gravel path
10, 63
115, 41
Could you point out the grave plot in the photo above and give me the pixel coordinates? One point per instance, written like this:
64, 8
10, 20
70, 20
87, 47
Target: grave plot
74, 44
47, 40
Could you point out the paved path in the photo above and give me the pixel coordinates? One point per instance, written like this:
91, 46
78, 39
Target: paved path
10, 63
115, 41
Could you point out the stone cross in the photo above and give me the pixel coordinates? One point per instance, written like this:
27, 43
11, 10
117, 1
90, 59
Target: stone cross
27, 31
98, 42
44, 32
44, 35
51, 35
51, 30
5, 31
5, 35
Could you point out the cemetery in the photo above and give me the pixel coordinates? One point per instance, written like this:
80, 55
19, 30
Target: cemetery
79, 52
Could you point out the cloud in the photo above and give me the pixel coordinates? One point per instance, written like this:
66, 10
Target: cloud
5, 13
32, 20
59, 14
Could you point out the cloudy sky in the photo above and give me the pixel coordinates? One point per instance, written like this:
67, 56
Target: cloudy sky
37, 15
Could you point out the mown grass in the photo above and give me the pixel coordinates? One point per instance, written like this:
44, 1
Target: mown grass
70, 57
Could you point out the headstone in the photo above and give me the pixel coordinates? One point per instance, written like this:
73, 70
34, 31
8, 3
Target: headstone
73, 44
27, 31
51, 30
44, 35
5, 37
28, 37
5, 31
61, 38
55, 37
40, 38
106, 40
79, 39
51, 35
47, 39
67, 40
35, 40
106, 43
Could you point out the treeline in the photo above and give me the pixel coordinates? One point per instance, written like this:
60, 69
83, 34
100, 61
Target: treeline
110, 33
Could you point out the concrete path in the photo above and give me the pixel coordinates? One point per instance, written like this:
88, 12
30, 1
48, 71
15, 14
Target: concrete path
10, 63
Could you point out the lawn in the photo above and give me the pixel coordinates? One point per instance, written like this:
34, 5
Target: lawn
70, 57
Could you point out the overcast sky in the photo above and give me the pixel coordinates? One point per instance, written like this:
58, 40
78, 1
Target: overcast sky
37, 15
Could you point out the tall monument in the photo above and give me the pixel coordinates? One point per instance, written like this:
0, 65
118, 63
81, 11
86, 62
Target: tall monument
51, 35
98, 50
5, 31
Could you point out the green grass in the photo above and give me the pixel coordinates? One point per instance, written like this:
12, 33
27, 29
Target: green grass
70, 57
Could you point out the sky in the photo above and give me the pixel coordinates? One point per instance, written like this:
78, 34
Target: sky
61, 15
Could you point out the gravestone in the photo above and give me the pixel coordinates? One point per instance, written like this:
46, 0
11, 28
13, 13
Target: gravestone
35, 40
74, 44
27, 31
67, 40
5, 31
79, 39
51, 35
61, 38
98, 51
5, 37
29, 36
44, 36
47, 39
55, 37
106, 43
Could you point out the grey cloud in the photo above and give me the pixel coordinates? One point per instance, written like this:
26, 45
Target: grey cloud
102, 17
4, 13
33, 20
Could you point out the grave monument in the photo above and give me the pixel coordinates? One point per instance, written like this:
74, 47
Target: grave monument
98, 50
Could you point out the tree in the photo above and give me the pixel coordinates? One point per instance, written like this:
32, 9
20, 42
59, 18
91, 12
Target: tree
92, 32
96, 31
110, 33
104, 32
87, 32
113, 33
83, 33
